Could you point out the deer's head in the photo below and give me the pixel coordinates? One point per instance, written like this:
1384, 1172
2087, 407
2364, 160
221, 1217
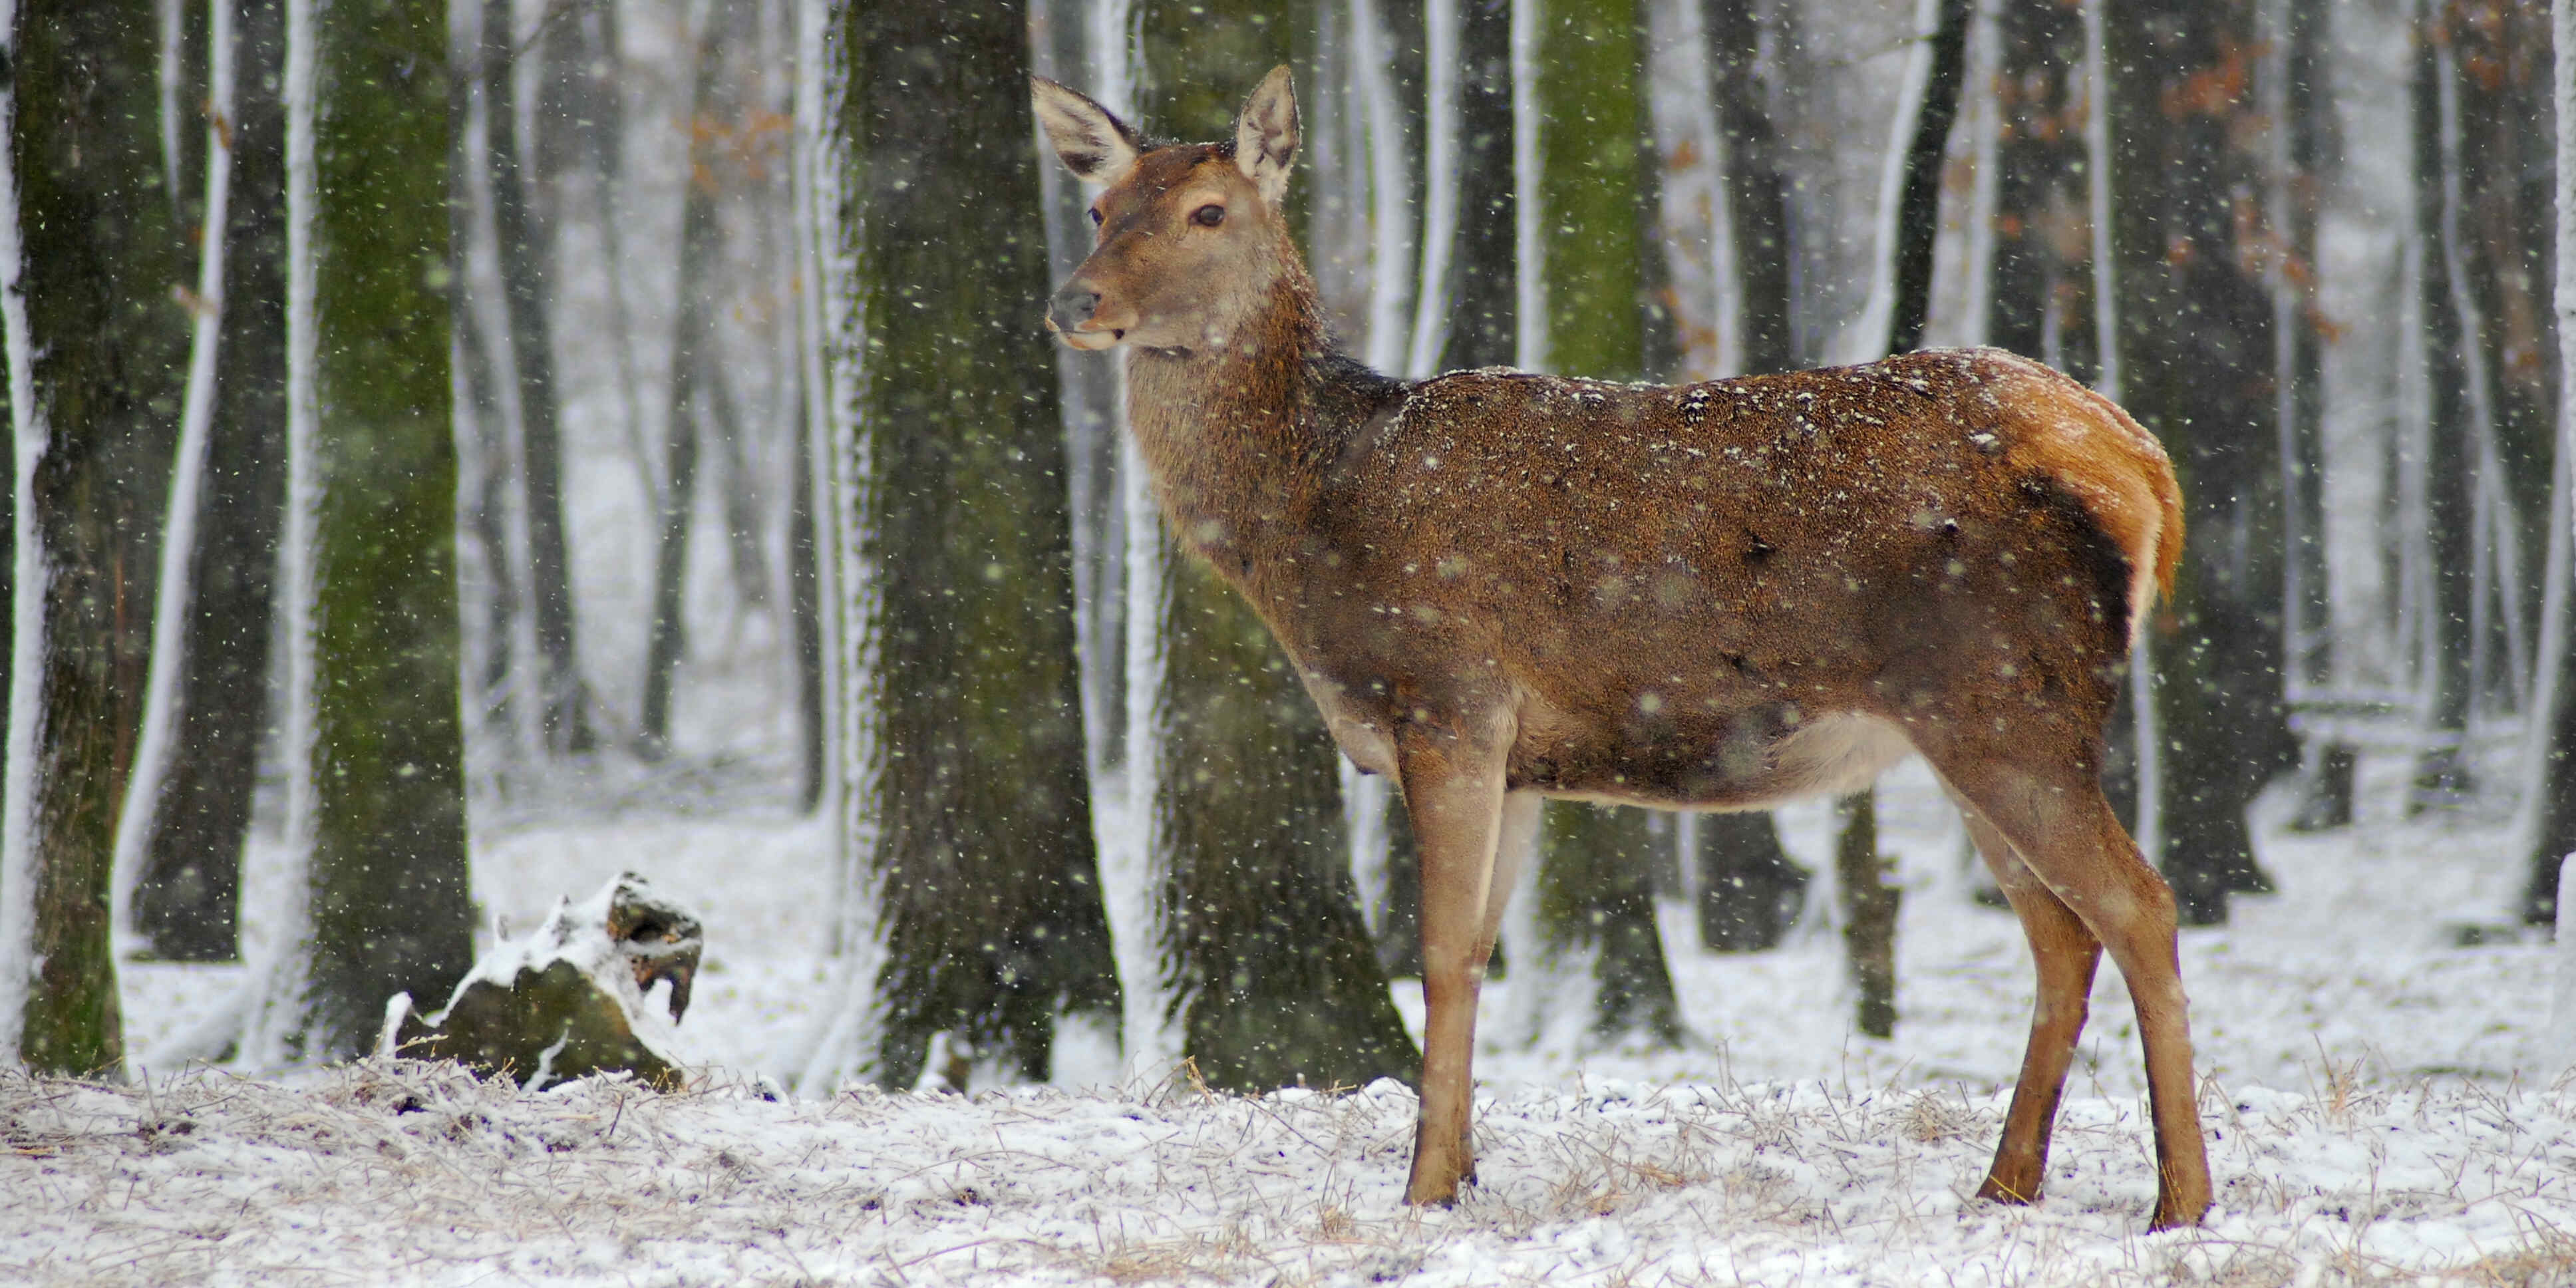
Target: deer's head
1191, 238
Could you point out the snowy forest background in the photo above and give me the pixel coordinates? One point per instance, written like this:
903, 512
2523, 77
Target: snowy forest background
463, 451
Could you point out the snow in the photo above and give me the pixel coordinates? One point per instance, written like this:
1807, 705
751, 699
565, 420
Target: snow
2382, 1103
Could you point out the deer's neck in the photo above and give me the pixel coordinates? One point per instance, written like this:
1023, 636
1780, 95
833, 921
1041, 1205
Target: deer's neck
1239, 437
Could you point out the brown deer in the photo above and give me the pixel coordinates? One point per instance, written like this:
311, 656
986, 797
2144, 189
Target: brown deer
1502, 586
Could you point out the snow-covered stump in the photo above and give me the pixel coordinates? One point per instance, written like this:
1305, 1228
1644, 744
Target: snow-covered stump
569, 998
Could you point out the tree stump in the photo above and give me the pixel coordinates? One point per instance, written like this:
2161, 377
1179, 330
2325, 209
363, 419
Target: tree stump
568, 999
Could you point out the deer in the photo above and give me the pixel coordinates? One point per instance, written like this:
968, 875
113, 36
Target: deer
1501, 586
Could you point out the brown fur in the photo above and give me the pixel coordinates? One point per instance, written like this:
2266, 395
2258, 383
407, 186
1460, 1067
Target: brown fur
1501, 585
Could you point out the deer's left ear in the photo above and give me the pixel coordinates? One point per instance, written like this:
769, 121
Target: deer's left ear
1265, 136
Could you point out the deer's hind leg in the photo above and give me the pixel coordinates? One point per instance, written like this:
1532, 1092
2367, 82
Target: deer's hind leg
2064, 954
2048, 808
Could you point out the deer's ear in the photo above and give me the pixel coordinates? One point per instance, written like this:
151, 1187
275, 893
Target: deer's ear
1095, 145
1265, 136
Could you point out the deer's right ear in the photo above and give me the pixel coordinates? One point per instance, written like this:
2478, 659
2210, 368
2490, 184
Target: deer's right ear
1095, 145
1265, 136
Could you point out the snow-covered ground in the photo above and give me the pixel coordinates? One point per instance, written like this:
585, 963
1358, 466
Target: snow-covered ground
2375, 1093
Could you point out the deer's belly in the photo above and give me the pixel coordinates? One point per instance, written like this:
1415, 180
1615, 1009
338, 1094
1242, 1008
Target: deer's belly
1747, 760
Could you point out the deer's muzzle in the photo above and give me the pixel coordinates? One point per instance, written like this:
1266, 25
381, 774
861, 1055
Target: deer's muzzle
1069, 314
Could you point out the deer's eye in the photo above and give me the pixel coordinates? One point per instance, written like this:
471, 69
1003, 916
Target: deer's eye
1095, 216
1208, 216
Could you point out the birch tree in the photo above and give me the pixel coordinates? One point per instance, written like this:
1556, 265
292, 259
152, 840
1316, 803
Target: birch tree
89, 247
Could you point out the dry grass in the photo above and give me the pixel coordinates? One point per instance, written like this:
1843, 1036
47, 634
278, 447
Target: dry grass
411, 1173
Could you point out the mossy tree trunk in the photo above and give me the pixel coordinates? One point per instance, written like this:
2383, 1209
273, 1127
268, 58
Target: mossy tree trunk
376, 793
990, 906
1597, 944
1750, 890
1268, 956
100, 347
1272, 973
187, 897
2191, 304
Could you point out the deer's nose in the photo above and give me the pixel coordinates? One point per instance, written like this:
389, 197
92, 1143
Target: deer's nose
1072, 306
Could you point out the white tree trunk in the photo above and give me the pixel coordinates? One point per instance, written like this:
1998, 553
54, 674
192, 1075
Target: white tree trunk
1441, 110
273, 1032
1693, 216
843, 1044
1529, 247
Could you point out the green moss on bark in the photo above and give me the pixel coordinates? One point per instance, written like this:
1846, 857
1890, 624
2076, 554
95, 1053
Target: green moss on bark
390, 905
101, 249
991, 909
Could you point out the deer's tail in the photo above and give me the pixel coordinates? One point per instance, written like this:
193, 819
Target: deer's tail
2109, 462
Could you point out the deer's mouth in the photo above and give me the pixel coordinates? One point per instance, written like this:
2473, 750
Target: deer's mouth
1088, 337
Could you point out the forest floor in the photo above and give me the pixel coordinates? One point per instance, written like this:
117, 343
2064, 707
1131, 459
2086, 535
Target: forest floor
2378, 1086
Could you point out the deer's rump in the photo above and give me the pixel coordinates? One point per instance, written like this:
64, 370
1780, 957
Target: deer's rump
1729, 593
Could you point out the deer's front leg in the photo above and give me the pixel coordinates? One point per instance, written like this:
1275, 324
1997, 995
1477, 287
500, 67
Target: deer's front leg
1453, 788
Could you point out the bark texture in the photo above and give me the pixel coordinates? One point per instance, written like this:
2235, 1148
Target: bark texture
108, 345
390, 906
186, 900
990, 899
2193, 303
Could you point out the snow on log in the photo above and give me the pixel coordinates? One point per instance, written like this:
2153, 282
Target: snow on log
569, 998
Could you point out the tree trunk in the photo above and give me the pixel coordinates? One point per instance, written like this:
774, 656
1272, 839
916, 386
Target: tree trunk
2291, 70
1869, 908
95, 358
187, 894
2039, 300
1482, 316
1750, 890
1594, 910
1268, 954
1268, 959
805, 608
693, 338
2555, 827
2442, 776
565, 715
2191, 304
1908, 225
990, 911
1596, 945
375, 754
1757, 184
1918, 197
